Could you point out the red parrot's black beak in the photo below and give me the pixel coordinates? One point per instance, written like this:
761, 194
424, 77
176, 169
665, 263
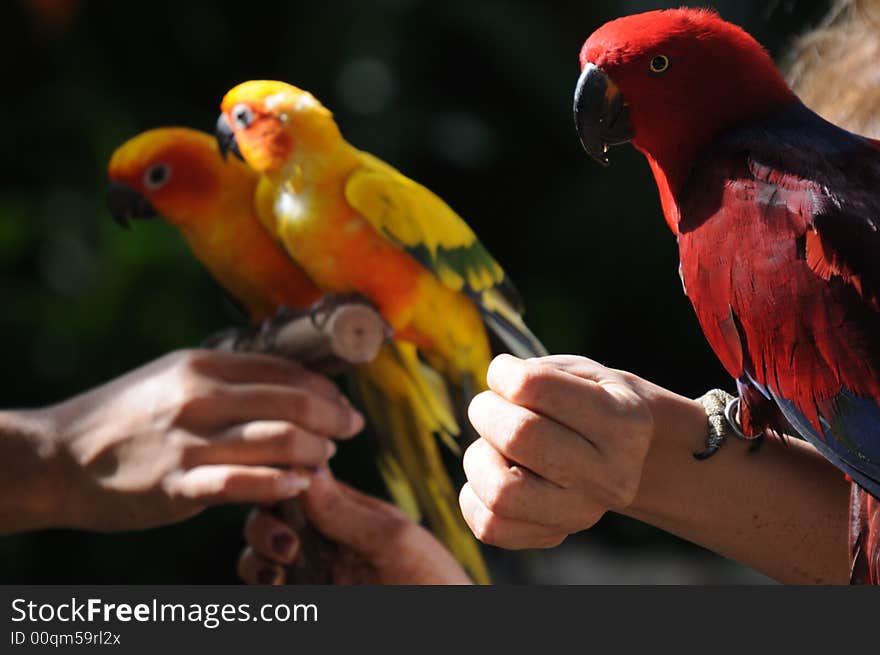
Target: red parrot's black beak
226, 138
600, 114
126, 204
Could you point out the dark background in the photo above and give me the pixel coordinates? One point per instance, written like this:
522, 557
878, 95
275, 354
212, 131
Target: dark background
472, 99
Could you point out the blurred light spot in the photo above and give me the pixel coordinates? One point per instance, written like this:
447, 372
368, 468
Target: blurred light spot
53, 15
463, 139
366, 85
65, 263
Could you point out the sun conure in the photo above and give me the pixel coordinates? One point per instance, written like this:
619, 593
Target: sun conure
357, 225
178, 174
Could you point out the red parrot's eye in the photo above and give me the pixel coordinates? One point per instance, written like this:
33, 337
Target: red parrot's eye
659, 63
156, 176
242, 116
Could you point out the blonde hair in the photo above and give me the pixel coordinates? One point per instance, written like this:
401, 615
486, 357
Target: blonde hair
835, 69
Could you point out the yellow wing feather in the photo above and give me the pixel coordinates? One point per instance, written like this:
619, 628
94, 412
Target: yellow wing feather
417, 220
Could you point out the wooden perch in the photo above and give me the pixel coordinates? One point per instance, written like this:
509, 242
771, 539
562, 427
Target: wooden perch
332, 336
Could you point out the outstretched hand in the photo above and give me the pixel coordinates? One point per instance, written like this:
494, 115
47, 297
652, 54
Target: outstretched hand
159, 444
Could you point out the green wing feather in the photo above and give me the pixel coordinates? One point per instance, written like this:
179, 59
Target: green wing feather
417, 220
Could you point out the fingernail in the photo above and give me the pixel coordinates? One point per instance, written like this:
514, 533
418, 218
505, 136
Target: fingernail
283, 545
267, 575
330, 448
292, 483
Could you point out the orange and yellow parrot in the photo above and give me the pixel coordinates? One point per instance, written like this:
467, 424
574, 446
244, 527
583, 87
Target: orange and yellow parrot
178, 174
357, 225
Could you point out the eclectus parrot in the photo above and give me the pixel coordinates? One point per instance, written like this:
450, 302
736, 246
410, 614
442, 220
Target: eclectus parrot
357, 225
177, 173
777, 216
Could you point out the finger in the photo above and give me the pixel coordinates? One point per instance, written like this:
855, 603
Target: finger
270, 537
268, 443
580, 393
248, 368
578, 365
214, 484
579, 403
346, 519
552, 451
247, 402
367, 501
255, 569
506, 533
512, 492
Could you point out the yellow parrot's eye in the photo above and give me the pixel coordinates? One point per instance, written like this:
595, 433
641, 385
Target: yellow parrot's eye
156, 176
659, 63
242, 116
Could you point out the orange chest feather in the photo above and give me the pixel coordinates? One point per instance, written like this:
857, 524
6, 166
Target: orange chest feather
343, 253
253, 268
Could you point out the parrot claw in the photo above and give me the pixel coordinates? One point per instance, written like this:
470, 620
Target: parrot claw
722, 410
272, 326
713, 445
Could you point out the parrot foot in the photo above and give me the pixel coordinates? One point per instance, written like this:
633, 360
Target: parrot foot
722, 411
272, 326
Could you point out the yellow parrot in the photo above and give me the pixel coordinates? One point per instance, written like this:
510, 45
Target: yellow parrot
357, 225
177, 173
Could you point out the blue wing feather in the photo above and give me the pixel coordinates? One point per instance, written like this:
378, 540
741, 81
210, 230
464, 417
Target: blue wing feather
850, 427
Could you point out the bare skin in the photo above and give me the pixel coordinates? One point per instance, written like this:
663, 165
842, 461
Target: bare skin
565, 439
378, 543
158, 445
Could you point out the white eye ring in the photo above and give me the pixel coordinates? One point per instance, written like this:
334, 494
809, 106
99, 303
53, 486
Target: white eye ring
242, 116
156, 176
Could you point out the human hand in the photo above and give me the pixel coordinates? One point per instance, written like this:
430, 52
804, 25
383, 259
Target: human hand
192, 429
378, 544
563, 440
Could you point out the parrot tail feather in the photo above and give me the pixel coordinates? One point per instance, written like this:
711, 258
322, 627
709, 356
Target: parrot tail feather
409, 408
508, 326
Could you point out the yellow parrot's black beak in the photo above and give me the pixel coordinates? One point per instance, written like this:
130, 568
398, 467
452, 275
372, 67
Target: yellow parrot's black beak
126, 204
226, 138
600, 114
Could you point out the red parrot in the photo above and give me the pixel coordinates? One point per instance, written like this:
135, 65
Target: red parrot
777, 216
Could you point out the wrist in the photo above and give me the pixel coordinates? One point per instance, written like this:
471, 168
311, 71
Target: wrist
680, 429
32, 477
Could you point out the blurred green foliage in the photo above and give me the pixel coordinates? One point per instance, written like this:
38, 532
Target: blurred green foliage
471, 98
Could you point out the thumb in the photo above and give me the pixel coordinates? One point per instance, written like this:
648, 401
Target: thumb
339, 514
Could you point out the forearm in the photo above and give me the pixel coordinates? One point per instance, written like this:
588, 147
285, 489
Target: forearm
782, 510
31, 479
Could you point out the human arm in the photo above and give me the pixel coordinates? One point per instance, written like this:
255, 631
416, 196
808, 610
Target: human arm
564, 439
161, 443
